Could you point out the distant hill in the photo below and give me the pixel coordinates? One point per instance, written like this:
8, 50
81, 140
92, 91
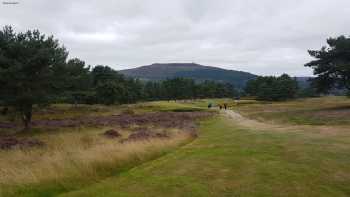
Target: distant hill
189, 70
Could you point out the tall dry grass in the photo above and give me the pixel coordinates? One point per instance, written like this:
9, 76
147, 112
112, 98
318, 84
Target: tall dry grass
84, 155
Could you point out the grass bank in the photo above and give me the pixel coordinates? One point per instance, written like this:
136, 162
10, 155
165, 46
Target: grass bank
72, 160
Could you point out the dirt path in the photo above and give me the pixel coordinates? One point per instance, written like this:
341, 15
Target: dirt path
250, 123
254, 124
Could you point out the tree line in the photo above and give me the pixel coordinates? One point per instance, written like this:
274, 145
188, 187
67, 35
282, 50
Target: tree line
331, 67
103, 85
272, 88
35, 71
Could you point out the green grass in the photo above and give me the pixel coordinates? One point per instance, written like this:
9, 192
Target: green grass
179, 106
230, 161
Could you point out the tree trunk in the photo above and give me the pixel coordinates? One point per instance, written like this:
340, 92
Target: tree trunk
4, 111
27, 116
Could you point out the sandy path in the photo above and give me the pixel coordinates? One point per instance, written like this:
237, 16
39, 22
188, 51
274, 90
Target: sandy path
251, 123
254, 124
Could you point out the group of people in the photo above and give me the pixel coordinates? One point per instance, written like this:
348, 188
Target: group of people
221, 106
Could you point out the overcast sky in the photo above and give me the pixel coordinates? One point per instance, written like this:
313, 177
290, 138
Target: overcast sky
260, 36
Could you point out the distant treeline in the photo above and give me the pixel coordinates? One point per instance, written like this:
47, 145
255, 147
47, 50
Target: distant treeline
103, 85
271, 88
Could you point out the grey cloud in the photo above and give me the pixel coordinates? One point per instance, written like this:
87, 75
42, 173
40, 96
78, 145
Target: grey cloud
259, 36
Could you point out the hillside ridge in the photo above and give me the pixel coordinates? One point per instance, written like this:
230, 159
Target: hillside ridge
161, 71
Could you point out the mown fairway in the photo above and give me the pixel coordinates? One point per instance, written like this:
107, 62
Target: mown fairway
239, 156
